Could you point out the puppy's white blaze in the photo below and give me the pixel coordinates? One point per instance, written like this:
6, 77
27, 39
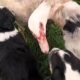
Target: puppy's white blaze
40, 15
71, 74
6, 35
61, 53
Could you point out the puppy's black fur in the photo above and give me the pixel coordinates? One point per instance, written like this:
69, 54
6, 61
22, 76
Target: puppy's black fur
16, 59
6, 22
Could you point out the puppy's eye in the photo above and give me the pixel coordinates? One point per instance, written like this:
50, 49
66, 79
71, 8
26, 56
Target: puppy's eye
67, 57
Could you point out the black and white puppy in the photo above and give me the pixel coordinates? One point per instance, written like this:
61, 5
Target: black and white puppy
16, 59
64, 65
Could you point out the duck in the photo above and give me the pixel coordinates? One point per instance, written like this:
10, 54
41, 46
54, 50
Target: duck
41, 13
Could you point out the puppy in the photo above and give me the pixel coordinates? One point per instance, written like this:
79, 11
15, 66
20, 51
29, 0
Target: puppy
64, 65
67, 15
16, 59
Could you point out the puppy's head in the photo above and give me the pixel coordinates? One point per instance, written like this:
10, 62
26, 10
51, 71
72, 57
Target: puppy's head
63, 64
57, 66
6, 20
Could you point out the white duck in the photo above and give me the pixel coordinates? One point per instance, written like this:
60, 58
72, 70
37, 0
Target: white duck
37, 21
37, 24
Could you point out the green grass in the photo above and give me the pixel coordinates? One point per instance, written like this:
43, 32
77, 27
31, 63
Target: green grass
77, 1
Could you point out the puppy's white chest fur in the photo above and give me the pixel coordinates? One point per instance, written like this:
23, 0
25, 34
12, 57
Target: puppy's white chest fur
6, 35
71, 74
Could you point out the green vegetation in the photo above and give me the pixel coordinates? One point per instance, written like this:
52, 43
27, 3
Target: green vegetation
77, 1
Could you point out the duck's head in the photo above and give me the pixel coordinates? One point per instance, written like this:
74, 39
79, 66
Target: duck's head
37, 25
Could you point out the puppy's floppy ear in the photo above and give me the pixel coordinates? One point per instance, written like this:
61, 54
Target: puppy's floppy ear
6, 20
